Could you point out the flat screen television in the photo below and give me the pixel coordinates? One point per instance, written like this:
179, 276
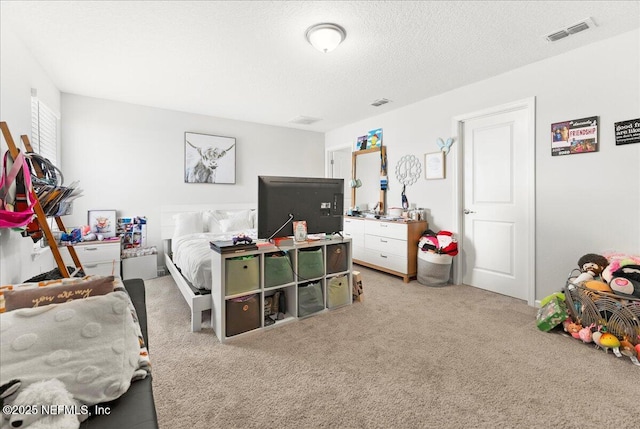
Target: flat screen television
282, 200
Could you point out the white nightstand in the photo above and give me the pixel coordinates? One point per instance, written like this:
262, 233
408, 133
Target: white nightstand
96, 257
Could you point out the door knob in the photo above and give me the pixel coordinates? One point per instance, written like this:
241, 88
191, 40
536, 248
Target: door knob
467, 211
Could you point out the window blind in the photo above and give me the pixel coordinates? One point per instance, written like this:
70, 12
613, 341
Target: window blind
44, 130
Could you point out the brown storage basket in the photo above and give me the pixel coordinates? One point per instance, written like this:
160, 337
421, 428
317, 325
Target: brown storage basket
619, 314
336, 258
243, 314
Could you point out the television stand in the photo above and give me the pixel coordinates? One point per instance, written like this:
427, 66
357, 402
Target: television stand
246, 279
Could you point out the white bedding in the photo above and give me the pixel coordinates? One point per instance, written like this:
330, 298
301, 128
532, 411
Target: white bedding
192, 254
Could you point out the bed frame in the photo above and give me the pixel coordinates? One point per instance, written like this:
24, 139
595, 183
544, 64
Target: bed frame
198, 303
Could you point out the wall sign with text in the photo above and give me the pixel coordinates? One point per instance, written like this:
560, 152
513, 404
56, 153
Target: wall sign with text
627, 132
575, 136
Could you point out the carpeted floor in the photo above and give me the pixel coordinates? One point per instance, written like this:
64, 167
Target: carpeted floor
409, 356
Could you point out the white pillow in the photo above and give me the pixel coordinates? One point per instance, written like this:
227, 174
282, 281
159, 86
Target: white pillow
212, 220
187, 223
237, 221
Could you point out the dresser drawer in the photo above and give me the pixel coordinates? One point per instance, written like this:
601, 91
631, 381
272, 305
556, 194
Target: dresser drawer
98, 252
385, 244
388, 260
387, 229
102, 268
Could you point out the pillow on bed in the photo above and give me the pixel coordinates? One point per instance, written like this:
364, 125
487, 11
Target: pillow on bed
237, 221
188, 223
212, 220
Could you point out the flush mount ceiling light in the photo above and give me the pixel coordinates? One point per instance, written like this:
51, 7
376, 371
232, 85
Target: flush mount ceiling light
325, 37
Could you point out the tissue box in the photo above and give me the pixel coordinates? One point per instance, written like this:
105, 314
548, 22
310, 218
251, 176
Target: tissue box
551, 314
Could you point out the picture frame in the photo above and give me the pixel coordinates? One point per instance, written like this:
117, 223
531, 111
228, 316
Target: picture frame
209, 158
434, 165
102, 222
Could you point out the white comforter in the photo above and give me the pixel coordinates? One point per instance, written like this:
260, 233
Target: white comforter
192, 254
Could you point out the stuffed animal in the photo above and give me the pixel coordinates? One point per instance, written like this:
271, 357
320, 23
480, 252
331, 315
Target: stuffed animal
6, 390
65, 412
626, 281
591, 266
617, 261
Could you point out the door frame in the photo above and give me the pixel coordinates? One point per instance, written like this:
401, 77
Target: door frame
529, 104
327, 156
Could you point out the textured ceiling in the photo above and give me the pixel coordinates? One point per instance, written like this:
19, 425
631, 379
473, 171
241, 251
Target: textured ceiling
249, 60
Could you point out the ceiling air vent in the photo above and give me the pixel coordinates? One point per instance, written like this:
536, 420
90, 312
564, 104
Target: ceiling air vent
573, 29
379, 102
557, 36
304, 120
577, 28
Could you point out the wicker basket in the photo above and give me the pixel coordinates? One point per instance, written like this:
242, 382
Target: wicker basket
620, 315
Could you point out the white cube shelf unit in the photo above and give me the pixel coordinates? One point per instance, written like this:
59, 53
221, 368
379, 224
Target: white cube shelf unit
241, 283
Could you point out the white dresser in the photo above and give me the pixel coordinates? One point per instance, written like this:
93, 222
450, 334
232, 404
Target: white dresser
389, 246
96, 257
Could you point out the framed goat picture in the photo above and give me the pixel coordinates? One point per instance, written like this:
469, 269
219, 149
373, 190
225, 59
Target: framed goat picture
209, 159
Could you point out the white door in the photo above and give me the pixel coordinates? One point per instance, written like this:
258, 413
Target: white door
339, 167
497, 199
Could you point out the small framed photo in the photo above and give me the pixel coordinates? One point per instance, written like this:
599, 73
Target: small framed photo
434, 165
300, 230
103, 222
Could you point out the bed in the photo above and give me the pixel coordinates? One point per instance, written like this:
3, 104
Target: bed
186, 231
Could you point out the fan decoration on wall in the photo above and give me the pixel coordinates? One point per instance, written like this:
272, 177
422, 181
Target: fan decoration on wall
408, 170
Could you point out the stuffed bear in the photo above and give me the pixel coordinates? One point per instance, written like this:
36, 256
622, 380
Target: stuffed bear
65, 411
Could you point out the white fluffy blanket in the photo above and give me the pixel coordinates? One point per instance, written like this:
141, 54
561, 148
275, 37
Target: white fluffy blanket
89, 344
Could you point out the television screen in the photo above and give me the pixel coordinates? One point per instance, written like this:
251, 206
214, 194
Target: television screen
282, 200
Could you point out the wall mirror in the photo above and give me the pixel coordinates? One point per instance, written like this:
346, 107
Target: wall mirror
366, 168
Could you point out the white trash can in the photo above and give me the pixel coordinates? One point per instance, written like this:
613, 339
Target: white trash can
434, 268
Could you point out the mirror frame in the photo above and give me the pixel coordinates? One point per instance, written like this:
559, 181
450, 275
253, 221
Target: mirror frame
383, 172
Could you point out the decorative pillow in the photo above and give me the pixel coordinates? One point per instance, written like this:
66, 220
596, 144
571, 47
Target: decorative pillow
237, 221
57, 292
188, 223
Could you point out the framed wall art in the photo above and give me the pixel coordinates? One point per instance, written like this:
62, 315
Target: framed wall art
103, 222
434, 165
575, 136
209, 158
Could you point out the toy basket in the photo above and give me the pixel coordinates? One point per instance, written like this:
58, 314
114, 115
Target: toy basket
620, 315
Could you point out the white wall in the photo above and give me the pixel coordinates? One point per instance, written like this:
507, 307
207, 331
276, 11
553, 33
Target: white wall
584, 203
131, 158
19, 73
